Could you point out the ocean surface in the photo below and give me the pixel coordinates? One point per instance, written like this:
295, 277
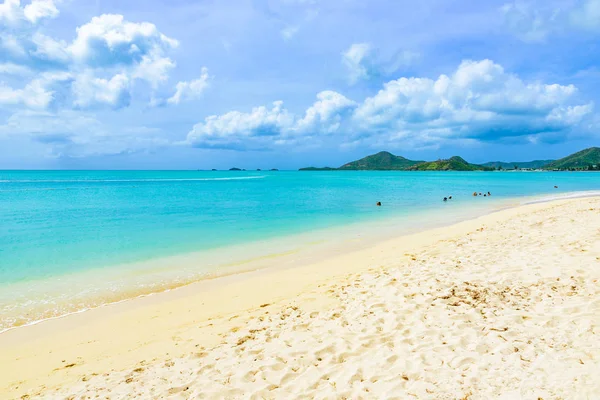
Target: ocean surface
71, 240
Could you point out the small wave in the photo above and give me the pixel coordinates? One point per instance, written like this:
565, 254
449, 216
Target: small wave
565, 196
237, 178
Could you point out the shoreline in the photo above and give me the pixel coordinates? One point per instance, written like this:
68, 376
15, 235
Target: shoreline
112, 338
296, 246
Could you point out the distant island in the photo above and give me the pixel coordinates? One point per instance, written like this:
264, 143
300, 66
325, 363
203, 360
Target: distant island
584, 160
386, 161
500, 165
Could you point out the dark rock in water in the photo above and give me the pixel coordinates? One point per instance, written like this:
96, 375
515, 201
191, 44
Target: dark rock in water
235, 169
273, 169
213, 169
555, 187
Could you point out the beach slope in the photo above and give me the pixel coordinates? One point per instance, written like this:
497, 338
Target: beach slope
503, 306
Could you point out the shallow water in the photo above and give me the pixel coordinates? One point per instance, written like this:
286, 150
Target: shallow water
75, 239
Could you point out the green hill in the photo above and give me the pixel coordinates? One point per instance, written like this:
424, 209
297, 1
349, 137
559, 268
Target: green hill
452, 164
382, 161
581, 160
536, 164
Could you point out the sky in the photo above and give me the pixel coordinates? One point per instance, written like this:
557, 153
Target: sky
181, 84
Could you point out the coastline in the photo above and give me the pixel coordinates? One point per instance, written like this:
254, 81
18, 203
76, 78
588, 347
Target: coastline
163, 274
173, 324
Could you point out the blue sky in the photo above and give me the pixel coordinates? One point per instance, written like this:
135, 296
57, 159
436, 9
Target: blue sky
291, 83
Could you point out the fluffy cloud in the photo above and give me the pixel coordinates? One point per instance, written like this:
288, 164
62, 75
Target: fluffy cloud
363, 62
190, 90
40, 9
104, 60
265, 127
12, 15
327, 114
90, 91
479, 101
236, 130
33, 95
109, 40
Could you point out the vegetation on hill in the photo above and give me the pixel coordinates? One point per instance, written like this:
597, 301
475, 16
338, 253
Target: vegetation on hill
451, 164
588, 159
381, 161
536, 164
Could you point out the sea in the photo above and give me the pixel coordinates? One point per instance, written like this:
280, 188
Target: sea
75, 240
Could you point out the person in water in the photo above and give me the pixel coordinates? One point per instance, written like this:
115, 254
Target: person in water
378, 204
489, 194
475, 194
445, 199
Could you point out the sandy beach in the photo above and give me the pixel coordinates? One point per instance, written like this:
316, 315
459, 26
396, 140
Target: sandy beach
505, 306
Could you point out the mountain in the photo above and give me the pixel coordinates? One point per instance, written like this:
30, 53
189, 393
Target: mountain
382, 161
452, 164
536, 164
581, 160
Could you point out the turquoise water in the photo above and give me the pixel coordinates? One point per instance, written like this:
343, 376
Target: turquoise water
55, 223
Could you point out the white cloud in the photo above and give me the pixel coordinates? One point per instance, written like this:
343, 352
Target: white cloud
12, 15
235, 129
90, 91
33, 95
355, 60
106, 57
14, 69
263, 128
72, 133
362, 62
327, 114
40, 9
110, 40
479, 101
535, 21
38, 93
190, 90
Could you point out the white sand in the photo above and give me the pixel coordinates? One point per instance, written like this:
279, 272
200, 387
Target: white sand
505, 306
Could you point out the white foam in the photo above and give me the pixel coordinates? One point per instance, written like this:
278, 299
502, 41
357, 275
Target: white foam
564, 196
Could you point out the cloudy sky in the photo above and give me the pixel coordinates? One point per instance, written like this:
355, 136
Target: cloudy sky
171, 84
